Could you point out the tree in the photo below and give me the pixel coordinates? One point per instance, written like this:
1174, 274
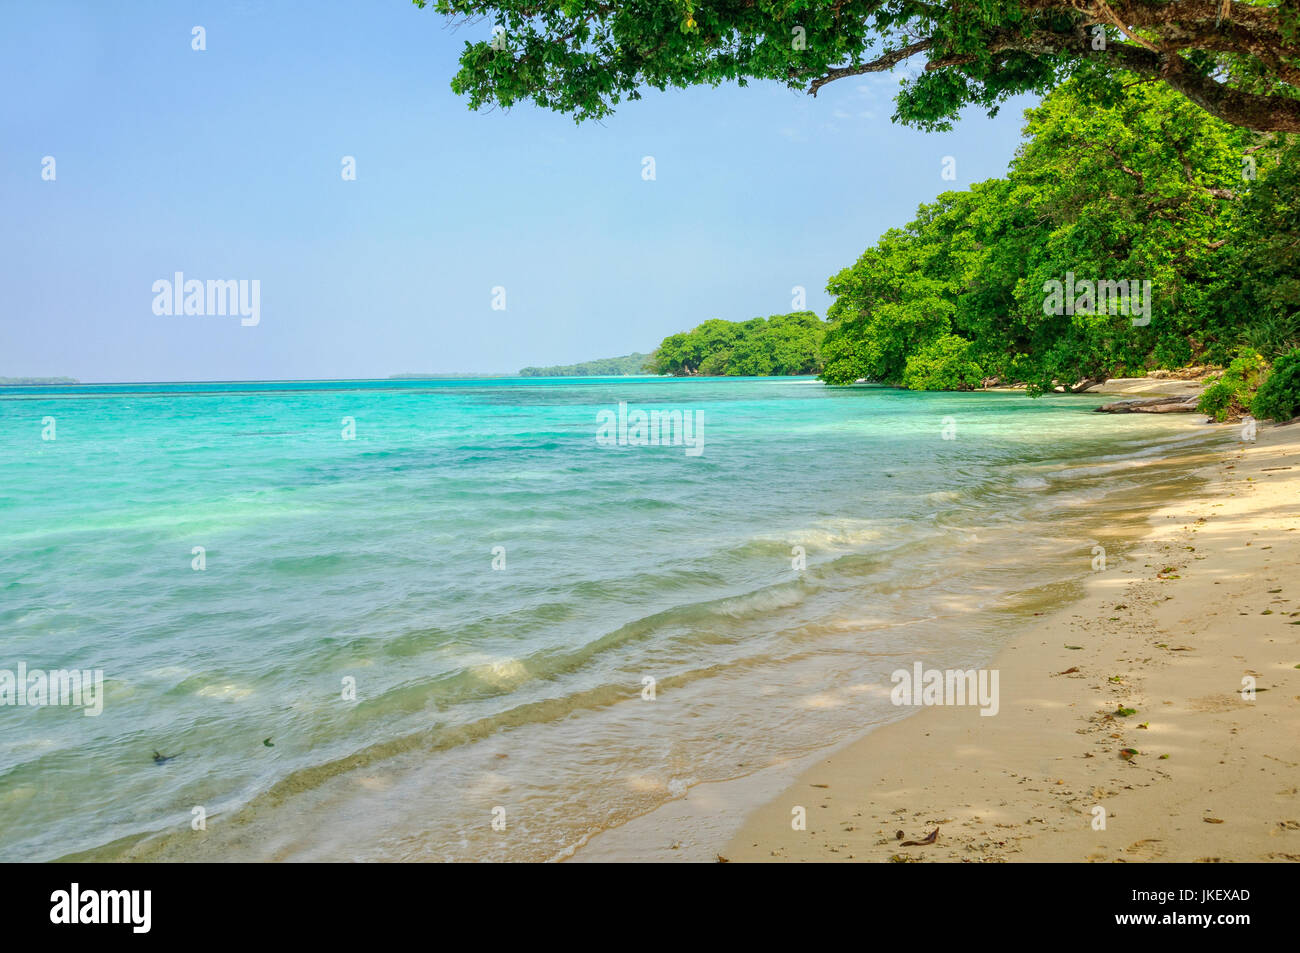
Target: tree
943, 364
1239, 61
1268, 250
1143, 195
782, 345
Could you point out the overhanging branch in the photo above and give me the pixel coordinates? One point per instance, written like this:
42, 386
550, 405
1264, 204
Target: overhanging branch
1182, 25
879, 65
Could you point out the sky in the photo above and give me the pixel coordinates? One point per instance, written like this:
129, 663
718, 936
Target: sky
227, 164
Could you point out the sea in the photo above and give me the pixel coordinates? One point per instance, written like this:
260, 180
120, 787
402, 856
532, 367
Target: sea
487, 619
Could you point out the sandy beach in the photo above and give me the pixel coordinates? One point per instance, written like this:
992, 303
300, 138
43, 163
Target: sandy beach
1123, 733
1212, 596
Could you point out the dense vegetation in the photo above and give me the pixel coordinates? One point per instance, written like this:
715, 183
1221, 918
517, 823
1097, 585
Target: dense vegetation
1141, 236
782, 344
1250, 386
1239, 61
1018, 279
1230, 396
604, 367
1278, 397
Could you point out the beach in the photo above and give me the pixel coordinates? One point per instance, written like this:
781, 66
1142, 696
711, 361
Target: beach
360, 644
1123, 734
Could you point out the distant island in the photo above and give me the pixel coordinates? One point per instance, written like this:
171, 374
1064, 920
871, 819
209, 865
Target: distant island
780, 345
624, 366
777, 346
35, 381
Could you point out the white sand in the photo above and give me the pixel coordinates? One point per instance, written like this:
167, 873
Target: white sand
1026, 784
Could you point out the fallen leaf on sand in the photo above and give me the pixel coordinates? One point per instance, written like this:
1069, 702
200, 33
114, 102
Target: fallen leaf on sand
1212, 820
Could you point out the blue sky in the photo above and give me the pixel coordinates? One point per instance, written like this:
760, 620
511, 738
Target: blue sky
225, 164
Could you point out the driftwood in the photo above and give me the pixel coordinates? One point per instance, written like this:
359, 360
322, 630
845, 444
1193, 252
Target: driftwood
1152, 405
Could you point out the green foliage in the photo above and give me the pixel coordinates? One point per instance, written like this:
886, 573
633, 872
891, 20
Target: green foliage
1273, 333
605, 367
1230, 396
907, 290
1147, 189
943, 364
781, 345
1268, 251
584, 57
1278, 398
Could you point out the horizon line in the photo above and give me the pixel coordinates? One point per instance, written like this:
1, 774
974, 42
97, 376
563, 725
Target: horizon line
450, 375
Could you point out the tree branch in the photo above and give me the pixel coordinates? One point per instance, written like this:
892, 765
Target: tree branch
880, 64
1110, 14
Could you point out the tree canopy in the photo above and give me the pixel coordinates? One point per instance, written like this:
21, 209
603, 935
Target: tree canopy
1239, 61
784, 344
1194, 220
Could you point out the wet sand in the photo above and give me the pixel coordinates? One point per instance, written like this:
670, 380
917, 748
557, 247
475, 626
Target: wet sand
1210, 597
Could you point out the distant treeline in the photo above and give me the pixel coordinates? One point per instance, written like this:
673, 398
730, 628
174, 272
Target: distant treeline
605, 367
783, 344
35, 381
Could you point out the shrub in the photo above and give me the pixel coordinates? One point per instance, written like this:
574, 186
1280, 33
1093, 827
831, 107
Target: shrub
943, 364
1274, 334
1229, 397
1278, 398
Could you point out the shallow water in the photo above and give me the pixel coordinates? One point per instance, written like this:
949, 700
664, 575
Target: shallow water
520, 688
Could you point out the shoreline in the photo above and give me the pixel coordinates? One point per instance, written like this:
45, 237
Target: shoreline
948, 564
1031, 783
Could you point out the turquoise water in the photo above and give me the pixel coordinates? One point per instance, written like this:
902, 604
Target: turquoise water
517, 688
